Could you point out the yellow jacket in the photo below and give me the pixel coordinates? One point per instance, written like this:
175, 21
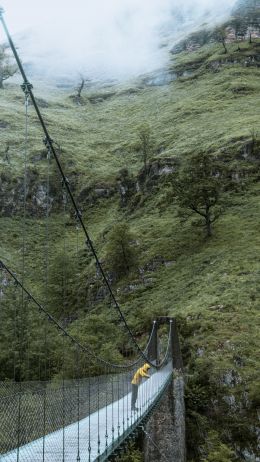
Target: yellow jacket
141, 372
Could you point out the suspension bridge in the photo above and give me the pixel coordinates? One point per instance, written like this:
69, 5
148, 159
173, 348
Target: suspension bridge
59, 400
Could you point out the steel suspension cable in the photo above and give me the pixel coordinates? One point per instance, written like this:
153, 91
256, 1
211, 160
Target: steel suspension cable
52, 320
27, 87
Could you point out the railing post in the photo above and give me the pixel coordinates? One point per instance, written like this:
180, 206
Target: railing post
176, 350
153, 346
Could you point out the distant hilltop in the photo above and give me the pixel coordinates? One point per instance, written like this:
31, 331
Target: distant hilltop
244, 23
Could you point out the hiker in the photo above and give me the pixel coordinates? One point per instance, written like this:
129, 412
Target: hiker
140, 373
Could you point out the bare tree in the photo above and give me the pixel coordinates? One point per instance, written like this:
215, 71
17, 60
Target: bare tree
7, 67
255, 140
145, 143
6, 154
220, 34
80, 87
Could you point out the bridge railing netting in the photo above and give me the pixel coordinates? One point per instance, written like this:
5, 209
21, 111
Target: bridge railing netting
46, 407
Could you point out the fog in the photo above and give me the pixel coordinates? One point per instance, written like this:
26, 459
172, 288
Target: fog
112, 39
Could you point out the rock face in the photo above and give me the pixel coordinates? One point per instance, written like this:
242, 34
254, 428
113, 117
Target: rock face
37, 196
166, 426
90, 195
159, 78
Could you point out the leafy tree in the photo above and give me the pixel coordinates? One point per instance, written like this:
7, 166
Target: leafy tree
145, 143
62, 280
121, 255
199, 188
7, 68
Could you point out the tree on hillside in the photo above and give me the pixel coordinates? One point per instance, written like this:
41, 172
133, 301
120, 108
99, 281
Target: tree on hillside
220, 35
121, 255
62, 278
80, 87
199, 187
7, 68
145, 143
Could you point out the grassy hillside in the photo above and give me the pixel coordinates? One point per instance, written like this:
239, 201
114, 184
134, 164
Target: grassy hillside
212, 285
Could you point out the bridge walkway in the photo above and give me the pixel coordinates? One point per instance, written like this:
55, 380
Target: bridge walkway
95, 437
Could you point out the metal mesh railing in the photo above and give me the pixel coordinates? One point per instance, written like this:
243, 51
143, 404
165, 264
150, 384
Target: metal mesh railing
62, 404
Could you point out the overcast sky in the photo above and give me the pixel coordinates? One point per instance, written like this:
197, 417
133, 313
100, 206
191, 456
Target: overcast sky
116, 38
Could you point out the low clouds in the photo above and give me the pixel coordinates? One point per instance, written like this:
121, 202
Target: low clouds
103, 38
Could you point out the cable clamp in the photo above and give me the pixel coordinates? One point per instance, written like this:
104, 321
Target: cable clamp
48, 142
88, 243
65, 181
26, 86
78, 215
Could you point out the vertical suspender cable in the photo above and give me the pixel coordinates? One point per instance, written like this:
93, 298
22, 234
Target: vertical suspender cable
123, 399
21, 310
64, 199
47, 298
112, 417
98, 406
118, 399
106, 434
78, 355
78, 405
63, 399
89, 415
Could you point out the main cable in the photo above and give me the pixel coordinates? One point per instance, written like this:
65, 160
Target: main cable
27, 87
68, 335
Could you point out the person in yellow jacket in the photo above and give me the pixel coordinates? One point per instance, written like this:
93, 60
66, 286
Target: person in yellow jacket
140, 373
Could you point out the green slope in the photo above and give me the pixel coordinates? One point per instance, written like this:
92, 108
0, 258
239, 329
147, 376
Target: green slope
211, 285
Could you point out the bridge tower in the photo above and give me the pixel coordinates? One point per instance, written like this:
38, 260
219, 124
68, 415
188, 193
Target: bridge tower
165, 430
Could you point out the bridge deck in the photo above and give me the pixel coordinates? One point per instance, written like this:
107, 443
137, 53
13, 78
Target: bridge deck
98, 433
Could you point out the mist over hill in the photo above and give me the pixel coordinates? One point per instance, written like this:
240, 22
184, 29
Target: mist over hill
105, 40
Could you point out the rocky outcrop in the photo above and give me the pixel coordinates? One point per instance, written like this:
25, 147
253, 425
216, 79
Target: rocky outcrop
160, 78
37, 196
129, 187
156, 170
90, 195
101, 97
